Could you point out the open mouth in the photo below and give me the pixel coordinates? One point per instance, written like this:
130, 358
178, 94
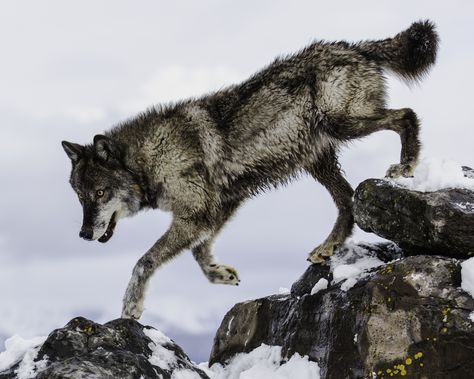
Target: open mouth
110, 229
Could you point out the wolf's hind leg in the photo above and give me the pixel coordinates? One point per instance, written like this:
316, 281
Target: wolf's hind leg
403, 121
328, 173
216, 273
406, 124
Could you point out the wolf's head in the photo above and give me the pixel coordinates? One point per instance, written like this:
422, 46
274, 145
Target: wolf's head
107, 190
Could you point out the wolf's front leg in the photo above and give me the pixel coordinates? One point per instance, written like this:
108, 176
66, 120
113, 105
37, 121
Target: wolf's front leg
215, 272
181, 235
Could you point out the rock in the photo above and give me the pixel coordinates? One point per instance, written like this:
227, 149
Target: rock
436, 223
121, 348
385, 251
310, 277
406, 318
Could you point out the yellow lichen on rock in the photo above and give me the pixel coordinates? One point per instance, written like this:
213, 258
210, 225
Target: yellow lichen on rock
418, 355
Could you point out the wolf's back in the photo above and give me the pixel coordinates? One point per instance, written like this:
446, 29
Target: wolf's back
409, 54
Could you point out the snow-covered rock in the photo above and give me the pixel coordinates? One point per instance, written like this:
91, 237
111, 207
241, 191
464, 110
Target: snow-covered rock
438, 221
380, 313
22, 354
434, 174
84, 349
126, 349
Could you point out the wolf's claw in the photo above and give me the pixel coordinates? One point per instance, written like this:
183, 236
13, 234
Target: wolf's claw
397, 170
132, 309
320, 253
132, 313
222, 274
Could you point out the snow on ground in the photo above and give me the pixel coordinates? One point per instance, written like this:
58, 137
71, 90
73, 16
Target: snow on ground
352, 265
434, 174
467, 276
264, 362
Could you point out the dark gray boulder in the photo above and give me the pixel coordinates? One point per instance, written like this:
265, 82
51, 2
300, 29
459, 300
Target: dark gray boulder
121, 348
406, 318
438, 223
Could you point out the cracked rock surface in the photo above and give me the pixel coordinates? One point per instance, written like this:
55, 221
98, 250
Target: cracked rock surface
406, 318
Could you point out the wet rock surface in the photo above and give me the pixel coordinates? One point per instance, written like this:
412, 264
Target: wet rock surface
439, 223
406, 318
118, 349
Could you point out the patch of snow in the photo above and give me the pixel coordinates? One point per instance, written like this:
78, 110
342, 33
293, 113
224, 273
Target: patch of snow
350, 282
471, 316
467, 276
322, 284
28, 368
433, 174
355, 337
160, 356
352, 265
19, 349
465, 206
185, 374
283, 291
264, 362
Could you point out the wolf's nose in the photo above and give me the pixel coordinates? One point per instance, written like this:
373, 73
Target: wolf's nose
86, 233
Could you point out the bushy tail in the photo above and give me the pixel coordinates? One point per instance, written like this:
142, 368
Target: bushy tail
409, 54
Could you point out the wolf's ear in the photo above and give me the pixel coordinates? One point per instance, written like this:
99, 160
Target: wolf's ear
73, 150
105, 148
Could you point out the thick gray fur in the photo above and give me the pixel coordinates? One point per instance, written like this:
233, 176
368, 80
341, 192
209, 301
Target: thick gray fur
201, 158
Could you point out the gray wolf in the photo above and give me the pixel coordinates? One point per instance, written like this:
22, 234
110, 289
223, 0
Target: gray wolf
201, 158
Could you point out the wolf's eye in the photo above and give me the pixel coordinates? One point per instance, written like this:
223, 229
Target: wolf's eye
100, 193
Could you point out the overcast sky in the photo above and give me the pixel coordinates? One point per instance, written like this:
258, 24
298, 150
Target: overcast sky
70, 70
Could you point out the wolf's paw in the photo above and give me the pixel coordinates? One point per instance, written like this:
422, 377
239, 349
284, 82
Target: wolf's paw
397, 170
323, 251
222, 274
132, 310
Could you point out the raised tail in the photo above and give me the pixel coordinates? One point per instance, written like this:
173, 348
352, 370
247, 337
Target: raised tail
409, 54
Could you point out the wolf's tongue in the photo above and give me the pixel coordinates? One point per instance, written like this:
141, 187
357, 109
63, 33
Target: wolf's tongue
110, 230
